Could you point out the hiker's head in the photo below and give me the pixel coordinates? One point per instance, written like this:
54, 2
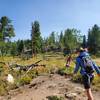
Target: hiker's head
79, 50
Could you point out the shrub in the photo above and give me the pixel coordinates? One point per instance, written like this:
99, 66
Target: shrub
2, 90
93, 56
55, 98
64, 71
96, 81
24, 80
6, 86
1, 69
32, 73
77, 78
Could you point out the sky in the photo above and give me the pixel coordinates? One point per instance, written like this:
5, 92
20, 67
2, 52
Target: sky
53, 15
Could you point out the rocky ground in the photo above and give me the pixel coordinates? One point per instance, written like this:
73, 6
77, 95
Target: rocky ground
45, 86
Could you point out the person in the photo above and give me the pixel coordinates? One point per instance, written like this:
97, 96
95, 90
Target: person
68, 60
86, 77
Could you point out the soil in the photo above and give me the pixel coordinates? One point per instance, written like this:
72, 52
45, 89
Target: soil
44, 86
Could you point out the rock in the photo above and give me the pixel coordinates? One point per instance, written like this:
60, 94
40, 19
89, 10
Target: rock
10, 78
71, 96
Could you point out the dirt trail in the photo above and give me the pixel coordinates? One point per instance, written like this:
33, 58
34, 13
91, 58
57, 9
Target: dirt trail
50, 85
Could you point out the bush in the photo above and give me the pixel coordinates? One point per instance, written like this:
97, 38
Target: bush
96, 81
32, 73
64, 71
5, 86
93, 57
1, 69
55, 98
77, 78
3, 89
24, 80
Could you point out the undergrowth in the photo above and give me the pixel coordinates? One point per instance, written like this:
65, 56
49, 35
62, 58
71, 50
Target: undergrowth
55, 98
54, 64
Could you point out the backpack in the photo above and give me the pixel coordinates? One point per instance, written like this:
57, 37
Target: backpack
88, 64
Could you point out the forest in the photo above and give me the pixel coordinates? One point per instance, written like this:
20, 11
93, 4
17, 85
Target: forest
66, 41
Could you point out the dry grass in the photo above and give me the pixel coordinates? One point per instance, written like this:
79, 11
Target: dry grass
51, 61
97, 60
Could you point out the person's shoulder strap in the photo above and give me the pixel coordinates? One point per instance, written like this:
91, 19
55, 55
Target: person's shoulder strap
82, 60
80, 57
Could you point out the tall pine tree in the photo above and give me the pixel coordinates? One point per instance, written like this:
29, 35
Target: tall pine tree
36, 38
70, 40
94, 39
84, 44
6, 32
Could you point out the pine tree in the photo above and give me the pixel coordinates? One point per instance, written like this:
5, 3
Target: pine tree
20, 46
94, 39
6, 32
61, 40
70, 40
36, 38
84, 44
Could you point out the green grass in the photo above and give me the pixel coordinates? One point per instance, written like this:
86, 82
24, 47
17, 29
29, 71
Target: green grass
55, 98
52, 62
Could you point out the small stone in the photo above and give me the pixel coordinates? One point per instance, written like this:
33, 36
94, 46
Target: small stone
71, 95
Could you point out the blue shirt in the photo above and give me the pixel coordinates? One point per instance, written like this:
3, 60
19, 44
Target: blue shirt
79, 64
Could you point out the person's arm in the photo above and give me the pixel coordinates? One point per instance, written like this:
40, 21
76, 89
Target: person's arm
96, 68
76, 66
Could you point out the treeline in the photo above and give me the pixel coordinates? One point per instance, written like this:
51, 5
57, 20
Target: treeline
66, 41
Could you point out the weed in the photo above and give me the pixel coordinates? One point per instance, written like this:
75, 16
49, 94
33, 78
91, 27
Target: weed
55, 98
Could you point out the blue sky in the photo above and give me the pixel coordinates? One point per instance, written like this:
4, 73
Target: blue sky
53, 15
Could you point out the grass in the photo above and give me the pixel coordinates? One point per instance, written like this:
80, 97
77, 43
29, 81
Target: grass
52, 61
55, 98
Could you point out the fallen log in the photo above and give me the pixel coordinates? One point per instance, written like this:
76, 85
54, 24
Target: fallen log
25, 68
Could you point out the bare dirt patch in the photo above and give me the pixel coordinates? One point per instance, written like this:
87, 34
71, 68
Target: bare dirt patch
45, 86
